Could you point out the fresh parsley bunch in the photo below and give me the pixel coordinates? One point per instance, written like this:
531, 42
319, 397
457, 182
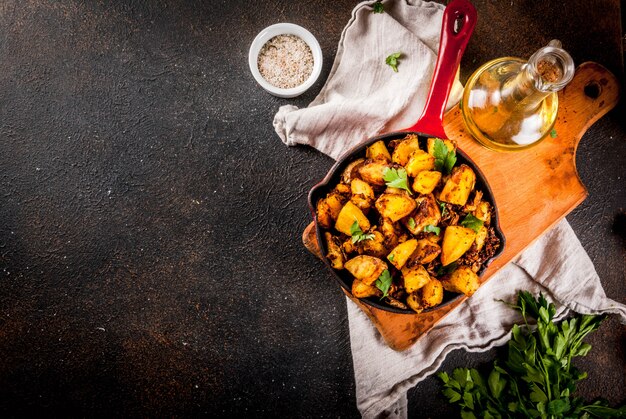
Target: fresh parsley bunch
535, 378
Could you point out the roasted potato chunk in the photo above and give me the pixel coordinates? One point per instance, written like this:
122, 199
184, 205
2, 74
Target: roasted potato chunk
458, 186
430, 145
431, 293
363, 290
348, 214
463, 280
374, 247
425, 251
426, 213
415, 302
483, 212
335, 254
362, 194
395, 206
335, 202
426, 181
401, 253
403, 150
418, 162
456, 241
324, 214
372, 171
365, 268
351, 171
390, 231
481, 236
378, 151
414, 277
343, 189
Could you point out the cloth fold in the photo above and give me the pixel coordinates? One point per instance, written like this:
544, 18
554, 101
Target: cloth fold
363, 97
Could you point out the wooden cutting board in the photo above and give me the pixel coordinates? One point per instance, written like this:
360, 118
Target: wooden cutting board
533, 189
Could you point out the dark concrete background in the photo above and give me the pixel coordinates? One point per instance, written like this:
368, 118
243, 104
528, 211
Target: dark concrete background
150, 218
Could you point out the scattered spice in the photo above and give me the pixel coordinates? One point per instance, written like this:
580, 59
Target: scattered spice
549, 72
285, 61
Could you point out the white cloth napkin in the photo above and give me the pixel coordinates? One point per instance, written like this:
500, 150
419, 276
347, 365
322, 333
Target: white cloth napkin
363, 97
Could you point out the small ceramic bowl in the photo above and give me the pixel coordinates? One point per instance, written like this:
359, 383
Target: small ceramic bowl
285, 29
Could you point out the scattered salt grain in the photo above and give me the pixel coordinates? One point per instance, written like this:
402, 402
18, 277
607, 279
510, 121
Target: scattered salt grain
285, 61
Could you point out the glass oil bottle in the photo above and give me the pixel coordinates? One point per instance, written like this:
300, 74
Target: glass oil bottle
511, 104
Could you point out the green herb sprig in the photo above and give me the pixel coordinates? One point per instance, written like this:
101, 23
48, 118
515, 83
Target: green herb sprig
472, 222
357, 233
378, 7
432, 229
535, 378
392, 60
444, 159
396, 178
384, 282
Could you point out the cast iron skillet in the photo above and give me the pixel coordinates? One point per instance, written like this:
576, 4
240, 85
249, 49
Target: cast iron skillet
459, 19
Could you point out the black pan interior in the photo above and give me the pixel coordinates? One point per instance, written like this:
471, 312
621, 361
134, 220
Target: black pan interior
332, 178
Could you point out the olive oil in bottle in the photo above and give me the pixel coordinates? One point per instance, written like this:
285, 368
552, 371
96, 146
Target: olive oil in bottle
510, 103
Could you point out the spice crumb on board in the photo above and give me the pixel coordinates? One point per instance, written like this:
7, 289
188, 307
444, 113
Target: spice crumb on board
285, 61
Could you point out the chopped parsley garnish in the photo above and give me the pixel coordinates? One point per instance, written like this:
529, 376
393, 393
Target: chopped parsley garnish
390, 257
444, 159
432, 229
411, 223
384, 282
472, 222
442, 208
553, 133
396, 178
357, 233
392, 60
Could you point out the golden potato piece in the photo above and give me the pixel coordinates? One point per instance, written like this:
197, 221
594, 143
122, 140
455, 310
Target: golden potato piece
335, 202
395, 206
431, 293
362, 290
415, 302
415, 277
348, 214
351, 171
372, 171
481, 236
463, 280
390, 231
430, 145
426, 181
482, 212
458, 186
401, 253
378, 151
426, 213
419, 161
403, 150
324, 214
362, 194
342, 189
375, 246
365, 268
456, 241
335, 254
425, 251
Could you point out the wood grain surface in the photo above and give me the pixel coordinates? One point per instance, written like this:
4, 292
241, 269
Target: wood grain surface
533, 189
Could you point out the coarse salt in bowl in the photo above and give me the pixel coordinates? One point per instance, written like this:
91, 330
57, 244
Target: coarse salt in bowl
286, 29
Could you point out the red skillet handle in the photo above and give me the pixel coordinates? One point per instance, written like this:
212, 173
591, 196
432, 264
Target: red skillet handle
451, 48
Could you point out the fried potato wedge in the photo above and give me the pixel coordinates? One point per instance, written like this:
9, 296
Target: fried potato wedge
348, 214
463, 280
418, 162
363, 290
372, 171
401, 253
425, 251
414, 277
431, 293
335, 253
456, 241
426, 181
395, 206
391, 232
378, 151
483, 212
415, 302
374, 247
351, 171
362, 194
426, 213
481, 236
365, 268
458, 186
324, 214
403, 150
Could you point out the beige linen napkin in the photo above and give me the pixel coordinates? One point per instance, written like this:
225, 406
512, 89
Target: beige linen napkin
363, 97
